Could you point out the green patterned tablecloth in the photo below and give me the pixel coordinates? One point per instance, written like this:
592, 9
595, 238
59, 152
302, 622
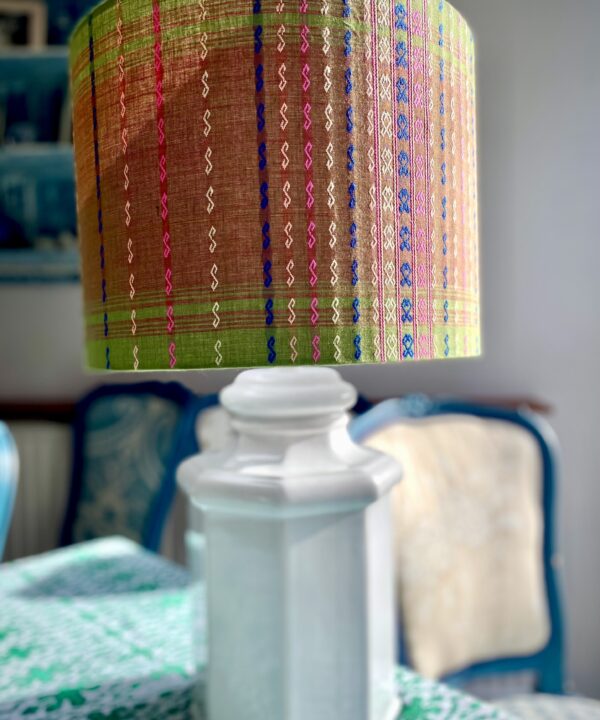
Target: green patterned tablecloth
102, 631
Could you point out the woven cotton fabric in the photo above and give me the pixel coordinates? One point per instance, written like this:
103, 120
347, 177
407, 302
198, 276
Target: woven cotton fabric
270, 182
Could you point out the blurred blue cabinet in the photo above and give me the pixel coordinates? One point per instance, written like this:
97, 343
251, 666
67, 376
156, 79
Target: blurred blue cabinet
37, 189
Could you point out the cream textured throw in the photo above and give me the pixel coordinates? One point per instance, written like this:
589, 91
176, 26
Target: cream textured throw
468, 540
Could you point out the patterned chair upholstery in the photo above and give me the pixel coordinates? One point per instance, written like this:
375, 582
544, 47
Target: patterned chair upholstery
473, 521
9, 470
128, 441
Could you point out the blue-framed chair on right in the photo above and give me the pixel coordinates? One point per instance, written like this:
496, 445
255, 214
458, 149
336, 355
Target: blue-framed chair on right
475, 553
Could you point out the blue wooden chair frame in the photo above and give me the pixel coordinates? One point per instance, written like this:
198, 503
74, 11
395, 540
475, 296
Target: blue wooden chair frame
186, 445
548, 663
9, 468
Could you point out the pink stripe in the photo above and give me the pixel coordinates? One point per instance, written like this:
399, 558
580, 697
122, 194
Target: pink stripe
374, 56
397, 219
287, 243
126, 180
307, 136
164, 190
467, 265
316, 343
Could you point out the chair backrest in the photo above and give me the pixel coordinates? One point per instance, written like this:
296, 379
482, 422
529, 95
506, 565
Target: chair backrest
419, 414
9, 471
128, 441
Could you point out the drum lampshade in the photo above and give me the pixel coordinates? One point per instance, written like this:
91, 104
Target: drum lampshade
276, 182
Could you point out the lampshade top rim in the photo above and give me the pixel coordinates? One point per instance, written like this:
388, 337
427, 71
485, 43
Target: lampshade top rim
102, 4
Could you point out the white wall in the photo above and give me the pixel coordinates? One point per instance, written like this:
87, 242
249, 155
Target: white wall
539, 110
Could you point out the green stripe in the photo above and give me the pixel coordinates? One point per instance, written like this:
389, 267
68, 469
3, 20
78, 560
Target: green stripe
223, 25
197, 310
245, 348
189, 306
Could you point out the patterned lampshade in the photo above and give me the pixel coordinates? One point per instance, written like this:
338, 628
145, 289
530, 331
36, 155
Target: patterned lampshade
270, 182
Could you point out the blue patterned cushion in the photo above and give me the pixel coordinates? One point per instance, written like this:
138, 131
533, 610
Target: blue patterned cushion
128, 443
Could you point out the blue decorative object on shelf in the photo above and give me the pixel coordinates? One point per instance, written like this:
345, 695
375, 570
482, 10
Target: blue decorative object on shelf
37, 190
37, 213
34, 96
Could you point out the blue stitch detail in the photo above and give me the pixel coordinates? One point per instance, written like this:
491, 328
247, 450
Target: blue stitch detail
102, 257
446, 278
262, 156
446, 313
444, 207
105, 324
447, 344
441, 42
349, 120
442, 70
260, 117
269, 311
402, 90
108, 358
257, 7
259, 78
353, 238
356, 308
444, 178
442, 101
271, 348
348, 43
258, 43
445, 241
407, 316
264, 194
403, 164
401, 55
352, 187
405, 244
443, 136
104, 297
404, 204
268, 278
266, 229
352, 196
406, 271
409, 347
400, 11
350, 158
402, 127
348, 77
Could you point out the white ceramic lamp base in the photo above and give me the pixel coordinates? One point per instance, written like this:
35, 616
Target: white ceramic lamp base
298, 563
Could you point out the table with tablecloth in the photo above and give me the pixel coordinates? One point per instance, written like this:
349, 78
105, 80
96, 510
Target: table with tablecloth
101, 631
